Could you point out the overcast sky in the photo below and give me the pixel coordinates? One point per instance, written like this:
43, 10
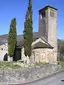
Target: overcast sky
17, 8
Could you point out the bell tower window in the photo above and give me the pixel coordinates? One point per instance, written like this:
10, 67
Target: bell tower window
52, 13
43, 14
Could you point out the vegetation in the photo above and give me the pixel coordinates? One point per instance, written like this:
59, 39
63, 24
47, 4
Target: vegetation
9, 65
41, 63
61, 49
61, 63
12, 38
16, 65
28, 31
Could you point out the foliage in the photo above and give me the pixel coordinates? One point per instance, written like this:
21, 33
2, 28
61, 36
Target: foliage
61, 49
61, 63
61, 46
12, 38
28, 34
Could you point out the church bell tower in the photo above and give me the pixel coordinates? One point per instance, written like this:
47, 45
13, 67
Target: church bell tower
48, 25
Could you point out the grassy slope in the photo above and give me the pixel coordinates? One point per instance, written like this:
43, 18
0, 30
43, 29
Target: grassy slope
8, 65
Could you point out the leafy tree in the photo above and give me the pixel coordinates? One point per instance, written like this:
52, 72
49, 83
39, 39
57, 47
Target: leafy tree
12, 38
61, 49
28, 30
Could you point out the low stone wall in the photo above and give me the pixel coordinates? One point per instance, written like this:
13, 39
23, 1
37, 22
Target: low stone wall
27, 74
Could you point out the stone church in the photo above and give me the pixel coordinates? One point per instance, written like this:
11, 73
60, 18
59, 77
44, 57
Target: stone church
44, 47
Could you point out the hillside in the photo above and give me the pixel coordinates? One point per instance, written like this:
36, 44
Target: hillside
4, 39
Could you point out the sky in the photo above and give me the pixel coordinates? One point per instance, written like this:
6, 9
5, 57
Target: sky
10, 9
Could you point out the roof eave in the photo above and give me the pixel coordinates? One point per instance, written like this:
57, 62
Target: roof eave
46, 7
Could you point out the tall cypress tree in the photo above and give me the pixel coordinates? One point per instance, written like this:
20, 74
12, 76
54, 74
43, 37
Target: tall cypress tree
12, 38
28, 30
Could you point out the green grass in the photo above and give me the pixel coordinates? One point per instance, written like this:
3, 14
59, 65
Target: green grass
8, 65
61, 63
41, 63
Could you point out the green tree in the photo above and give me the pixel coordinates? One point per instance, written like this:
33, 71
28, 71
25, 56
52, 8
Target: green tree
61, 49
12, 38
28, 30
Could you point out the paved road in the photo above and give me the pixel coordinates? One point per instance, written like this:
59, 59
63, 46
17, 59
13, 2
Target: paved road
57, 79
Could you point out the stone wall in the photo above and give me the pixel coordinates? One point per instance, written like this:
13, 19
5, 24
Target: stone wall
43, 55
27, 74
3, 51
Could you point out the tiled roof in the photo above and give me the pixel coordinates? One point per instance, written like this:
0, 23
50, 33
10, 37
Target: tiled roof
41, 44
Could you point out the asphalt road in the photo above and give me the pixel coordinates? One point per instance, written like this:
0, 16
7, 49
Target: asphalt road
57, 79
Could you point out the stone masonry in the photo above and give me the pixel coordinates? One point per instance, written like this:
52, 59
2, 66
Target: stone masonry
43, 55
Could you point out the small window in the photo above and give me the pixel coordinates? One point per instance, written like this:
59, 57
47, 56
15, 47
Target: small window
1, 48
52, 13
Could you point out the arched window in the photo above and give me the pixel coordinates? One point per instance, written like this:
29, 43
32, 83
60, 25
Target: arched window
5, 57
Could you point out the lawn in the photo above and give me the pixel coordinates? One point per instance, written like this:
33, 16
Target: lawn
9, 65
19, 65
41, 63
